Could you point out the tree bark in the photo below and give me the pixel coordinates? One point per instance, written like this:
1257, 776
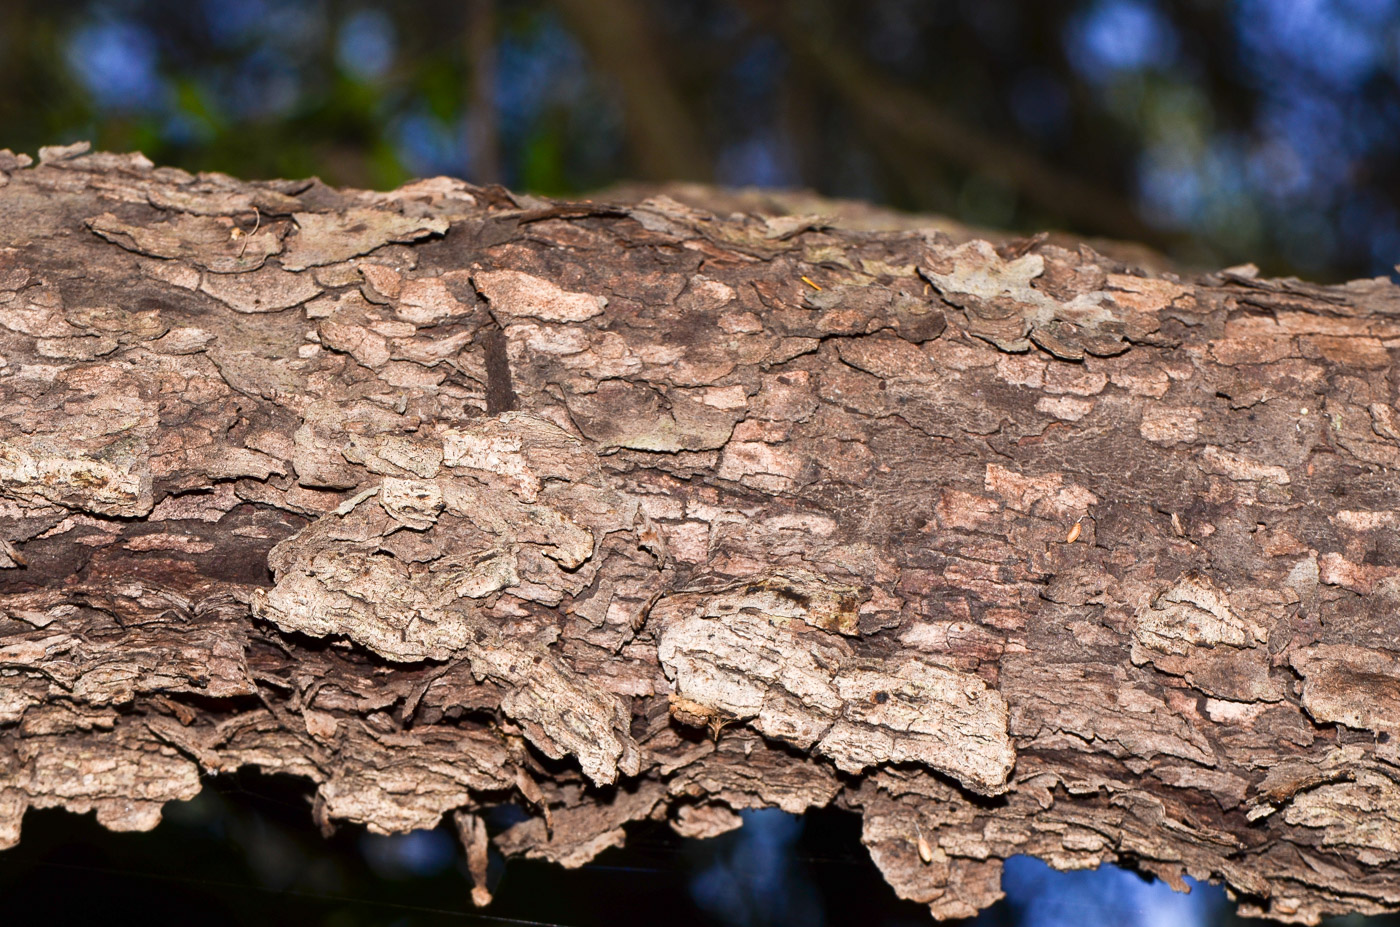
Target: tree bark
443, 498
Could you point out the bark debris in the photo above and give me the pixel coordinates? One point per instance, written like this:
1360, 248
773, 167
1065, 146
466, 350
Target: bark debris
445, 497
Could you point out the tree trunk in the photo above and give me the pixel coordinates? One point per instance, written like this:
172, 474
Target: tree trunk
443, 498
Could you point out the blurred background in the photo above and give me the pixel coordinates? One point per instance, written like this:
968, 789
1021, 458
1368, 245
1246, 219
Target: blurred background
1216, 131
244, 852
1213, 131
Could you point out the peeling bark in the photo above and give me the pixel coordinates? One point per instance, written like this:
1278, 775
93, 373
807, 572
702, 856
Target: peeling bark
443, 498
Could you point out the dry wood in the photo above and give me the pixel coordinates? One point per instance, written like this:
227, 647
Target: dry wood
444, 497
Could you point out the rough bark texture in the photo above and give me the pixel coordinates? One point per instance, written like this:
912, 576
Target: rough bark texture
442, 498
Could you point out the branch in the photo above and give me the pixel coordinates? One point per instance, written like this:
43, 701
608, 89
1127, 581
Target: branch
665, 142
896, 112
629, 512
483, 126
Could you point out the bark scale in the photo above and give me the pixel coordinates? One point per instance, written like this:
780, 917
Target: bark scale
445, 497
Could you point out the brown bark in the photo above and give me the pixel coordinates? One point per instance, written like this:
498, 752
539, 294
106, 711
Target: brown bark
439, 500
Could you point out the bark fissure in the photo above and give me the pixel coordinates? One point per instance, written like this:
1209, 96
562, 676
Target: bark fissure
442, 498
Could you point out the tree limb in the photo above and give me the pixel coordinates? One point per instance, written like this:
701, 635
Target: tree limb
1012, 551
665, 141
897, 112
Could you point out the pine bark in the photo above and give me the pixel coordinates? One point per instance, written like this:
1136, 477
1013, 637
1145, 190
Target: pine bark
447, 497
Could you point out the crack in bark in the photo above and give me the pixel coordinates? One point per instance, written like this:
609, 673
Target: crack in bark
500, 396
